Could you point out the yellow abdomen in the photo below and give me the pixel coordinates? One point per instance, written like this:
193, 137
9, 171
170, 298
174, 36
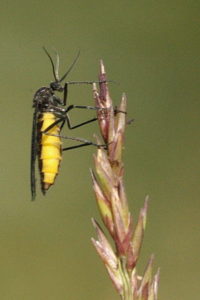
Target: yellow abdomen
50, 151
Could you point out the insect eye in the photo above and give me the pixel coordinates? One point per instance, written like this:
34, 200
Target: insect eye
56, 86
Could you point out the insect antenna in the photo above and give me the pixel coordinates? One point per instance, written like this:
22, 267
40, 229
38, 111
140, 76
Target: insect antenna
54, 68
57, 66
71, 67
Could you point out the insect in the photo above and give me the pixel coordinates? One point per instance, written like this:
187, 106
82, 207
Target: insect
50, 115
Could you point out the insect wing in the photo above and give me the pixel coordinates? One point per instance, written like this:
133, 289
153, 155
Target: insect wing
34, 151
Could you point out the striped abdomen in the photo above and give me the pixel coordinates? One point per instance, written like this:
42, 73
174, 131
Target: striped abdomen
49, 150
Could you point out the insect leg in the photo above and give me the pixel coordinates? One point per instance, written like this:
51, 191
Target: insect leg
78, 125
88, 82
72, 106
63, 123
65, 94
77, 146
78, 82
84, 141
66, 88
54, 124
66, 118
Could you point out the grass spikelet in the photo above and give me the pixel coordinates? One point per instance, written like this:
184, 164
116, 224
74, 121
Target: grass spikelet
108, 185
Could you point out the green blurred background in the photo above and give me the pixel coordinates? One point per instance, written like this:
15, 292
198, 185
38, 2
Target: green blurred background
151, 48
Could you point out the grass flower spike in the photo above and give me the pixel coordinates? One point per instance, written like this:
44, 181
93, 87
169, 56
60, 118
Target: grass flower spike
111, 198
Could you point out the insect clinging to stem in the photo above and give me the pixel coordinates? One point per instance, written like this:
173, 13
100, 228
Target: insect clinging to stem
50, 115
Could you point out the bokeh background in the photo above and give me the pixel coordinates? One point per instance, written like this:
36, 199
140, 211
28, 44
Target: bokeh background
151, 49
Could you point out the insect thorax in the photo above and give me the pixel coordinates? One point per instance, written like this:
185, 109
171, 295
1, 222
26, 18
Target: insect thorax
45, 100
